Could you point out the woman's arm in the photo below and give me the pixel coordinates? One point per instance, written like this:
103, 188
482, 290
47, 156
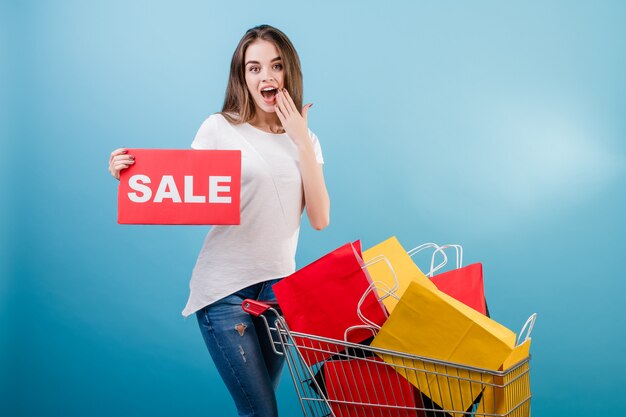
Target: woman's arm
316, 198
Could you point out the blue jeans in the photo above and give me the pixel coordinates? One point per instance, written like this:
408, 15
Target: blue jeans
242, 350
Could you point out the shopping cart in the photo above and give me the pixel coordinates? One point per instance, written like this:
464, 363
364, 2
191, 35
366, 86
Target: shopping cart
357, 382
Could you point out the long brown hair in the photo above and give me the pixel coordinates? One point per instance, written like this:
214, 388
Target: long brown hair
238, 103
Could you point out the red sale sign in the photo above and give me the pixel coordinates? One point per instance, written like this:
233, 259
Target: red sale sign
180, 187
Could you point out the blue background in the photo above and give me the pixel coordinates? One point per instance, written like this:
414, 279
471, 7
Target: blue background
497, 125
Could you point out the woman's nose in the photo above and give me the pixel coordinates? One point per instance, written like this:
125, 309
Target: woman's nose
266, 76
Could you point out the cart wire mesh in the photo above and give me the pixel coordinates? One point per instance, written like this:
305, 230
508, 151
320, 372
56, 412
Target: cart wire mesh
341, 379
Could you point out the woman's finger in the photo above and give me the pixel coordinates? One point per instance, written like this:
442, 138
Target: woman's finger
121, 165
118, 151
280, 114
282, 102
305, 110
125, 162
120, 158
294, 109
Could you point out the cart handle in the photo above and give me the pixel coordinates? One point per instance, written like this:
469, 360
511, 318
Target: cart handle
438, 249
254, 307
257, 308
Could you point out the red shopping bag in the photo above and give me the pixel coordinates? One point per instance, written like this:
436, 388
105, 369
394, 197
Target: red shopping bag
369, 388
321, 299
464, 284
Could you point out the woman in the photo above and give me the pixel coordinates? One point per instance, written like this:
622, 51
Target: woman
282, 173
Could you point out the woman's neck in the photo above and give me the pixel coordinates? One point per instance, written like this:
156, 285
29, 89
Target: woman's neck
268, 122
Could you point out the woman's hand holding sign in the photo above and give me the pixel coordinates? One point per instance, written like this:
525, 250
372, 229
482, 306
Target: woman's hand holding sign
119, 160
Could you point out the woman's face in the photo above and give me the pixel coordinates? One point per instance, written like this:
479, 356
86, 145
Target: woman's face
264, 74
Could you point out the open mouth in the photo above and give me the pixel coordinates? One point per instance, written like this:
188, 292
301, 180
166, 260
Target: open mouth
269, 93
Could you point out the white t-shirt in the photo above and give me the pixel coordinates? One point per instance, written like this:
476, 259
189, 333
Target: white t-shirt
263, 246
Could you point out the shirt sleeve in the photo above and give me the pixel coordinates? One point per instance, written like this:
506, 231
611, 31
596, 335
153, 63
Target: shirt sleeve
207, 136
316, 147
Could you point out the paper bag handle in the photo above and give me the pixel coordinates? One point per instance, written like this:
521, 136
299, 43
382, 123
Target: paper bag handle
373, 286
441, 249
372, 329
370, 325
388, 292
437, 249
380, 258
528, 327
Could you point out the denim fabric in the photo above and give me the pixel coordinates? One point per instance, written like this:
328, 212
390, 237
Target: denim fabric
242, 351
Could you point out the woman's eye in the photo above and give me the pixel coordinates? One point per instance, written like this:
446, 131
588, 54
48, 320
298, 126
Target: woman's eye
278, 66
254, 69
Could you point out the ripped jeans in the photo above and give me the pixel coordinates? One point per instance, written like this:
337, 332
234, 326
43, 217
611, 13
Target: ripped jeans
242, 350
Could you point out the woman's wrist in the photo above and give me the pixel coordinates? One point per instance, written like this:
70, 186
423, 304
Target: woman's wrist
305, 145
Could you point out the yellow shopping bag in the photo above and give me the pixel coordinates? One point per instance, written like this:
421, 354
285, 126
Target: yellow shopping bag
426, 322
404, 269
510, 392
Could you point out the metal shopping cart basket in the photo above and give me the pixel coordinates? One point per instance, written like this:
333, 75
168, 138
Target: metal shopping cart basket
342, 379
